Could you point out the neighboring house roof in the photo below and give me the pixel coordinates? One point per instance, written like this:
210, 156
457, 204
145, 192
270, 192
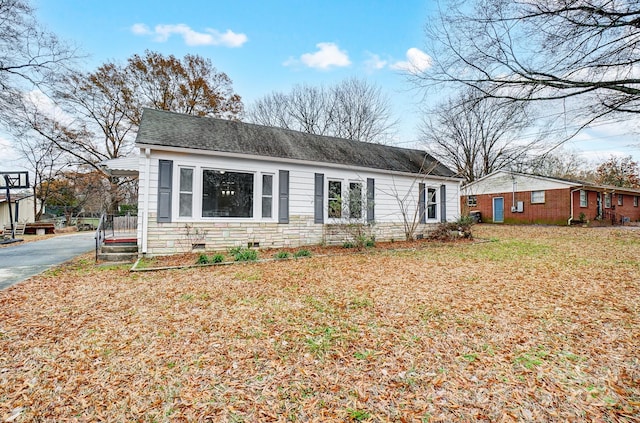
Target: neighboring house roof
14, 197
553, 179
122, 166
168, 129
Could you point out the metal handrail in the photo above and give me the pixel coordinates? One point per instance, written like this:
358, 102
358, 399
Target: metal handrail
112, 223
100, 234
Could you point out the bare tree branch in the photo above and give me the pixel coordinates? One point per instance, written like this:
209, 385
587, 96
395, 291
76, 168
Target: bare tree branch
541, 50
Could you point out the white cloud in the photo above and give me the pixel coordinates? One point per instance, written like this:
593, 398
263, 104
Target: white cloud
417, 61
140, 29
210, 37
374, 62
328, 55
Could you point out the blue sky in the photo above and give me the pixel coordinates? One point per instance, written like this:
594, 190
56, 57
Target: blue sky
266, 46
263, 46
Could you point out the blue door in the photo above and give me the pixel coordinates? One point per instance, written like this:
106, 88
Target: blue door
498, 210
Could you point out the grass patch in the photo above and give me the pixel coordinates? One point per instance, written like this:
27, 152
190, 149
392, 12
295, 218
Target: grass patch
438, 333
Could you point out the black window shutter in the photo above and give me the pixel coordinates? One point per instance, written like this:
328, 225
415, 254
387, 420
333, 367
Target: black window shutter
318, 199
165, 178
283, 196
443, 203
371, 192
421, 206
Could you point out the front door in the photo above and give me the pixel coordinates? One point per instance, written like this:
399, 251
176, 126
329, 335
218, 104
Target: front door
498, 210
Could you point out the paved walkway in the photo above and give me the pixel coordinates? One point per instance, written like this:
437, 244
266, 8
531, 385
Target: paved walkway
21, 261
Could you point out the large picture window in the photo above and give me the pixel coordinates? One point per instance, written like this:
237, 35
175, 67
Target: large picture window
227, 194
186, 192
431, 203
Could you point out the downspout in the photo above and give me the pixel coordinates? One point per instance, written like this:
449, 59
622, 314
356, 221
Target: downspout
145, 211
571, 205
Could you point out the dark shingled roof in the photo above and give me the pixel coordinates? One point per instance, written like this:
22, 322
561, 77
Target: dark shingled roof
204, 133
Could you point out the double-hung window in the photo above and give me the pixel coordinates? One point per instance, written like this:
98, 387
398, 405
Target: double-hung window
335, 199
267, 196
607, 201
185, 202
620, 199
583, 198
355, 200
227, 194
472, 201
537, 197
431, 203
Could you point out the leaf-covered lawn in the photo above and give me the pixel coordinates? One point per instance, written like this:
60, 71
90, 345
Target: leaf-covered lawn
539, 324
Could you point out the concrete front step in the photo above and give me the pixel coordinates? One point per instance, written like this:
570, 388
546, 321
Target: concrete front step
118, 257
119, 248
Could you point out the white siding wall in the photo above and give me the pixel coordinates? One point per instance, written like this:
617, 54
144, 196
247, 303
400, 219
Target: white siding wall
504, 182
389, 191
25, 210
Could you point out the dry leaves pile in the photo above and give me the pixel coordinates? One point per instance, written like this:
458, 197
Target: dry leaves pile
541, 324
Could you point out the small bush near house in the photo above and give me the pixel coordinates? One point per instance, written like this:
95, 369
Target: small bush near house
302, 253
244, 254
281, 255
448, 231
218, 258
203, 259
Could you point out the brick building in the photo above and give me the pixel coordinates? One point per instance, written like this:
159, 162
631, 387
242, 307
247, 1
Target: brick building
512, 197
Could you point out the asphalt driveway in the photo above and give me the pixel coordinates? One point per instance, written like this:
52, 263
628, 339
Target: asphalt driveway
21, 261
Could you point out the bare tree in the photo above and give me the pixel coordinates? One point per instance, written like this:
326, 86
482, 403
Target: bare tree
29, 55
560, 163
475, 136
360, 111
413, 209
352, 109
541, 50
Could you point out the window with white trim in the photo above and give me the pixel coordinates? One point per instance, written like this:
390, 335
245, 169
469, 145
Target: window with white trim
355, 200
607, 201
583, 198
185, 208
472, 201
431, 203
335, 199
537, 197
267, 196
620, 199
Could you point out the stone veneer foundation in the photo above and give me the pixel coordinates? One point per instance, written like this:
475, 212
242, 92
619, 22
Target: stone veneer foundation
181, 237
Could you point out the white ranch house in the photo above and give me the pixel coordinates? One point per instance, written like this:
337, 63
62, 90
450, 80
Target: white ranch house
217, 184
